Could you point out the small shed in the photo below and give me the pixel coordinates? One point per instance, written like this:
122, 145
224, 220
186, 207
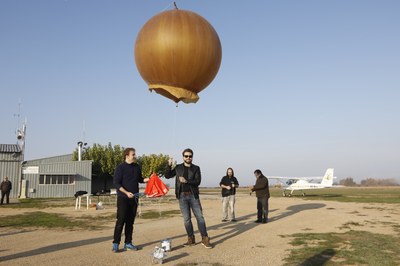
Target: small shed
10, 166
54, 177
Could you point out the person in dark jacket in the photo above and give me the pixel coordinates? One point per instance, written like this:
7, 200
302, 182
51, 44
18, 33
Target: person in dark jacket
5, 188
228, 183
262, 193
188, 179
127, 177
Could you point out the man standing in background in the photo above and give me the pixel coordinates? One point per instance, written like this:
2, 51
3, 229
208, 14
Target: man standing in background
5, 188
228, 183
262, 193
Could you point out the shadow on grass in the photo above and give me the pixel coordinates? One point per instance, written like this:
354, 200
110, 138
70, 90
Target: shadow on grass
243, 223
321, 196
291, 210
14, 233
320, 259
55, 247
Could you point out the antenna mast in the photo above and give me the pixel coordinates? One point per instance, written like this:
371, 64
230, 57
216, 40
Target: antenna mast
21, 131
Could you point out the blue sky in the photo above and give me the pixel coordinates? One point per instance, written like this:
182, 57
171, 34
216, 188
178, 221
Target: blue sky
303, 85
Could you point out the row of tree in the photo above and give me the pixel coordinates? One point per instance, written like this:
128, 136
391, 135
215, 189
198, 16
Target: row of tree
369, 182
107, 157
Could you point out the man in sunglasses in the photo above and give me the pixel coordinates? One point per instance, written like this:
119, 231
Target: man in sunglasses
188, 179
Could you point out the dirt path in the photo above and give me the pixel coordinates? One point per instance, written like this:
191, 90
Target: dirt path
240, 243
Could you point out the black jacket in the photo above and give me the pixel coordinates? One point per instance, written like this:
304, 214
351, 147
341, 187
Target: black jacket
228, 182
193, 180
261, 187
6, 186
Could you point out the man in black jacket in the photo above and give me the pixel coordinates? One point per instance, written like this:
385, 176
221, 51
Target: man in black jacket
188, 179
5, 188
228, 183
262, 193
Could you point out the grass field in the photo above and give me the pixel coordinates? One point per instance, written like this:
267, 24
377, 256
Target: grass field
354, 194
353, 247
341, 194
350, 248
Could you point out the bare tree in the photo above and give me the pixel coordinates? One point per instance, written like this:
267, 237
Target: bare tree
374, 182
348, 182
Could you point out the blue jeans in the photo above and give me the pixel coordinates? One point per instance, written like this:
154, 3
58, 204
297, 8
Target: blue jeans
187, 202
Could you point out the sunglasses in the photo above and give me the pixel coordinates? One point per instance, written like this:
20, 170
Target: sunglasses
188, 156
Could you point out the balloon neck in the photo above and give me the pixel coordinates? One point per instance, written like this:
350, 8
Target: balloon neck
175, 93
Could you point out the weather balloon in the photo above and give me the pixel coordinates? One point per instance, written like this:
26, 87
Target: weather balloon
178, 53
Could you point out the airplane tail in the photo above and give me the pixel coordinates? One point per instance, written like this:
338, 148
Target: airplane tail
327, 180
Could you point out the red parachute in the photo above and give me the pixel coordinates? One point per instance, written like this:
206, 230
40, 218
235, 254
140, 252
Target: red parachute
155, 187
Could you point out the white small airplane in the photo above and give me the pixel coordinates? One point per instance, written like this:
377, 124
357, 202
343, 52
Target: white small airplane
304, 183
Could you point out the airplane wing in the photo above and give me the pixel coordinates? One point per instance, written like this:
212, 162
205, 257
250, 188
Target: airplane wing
328, 173
296, 178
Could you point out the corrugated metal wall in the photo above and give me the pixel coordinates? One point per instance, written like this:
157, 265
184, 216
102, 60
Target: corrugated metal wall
10, 165
58, 166
54, 159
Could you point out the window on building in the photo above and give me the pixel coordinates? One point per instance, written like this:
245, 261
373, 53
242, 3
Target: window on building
55, 179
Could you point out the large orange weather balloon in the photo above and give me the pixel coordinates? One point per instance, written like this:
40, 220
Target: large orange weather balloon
178, 54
